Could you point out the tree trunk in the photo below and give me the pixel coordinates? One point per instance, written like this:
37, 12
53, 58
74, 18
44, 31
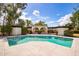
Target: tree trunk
3, 25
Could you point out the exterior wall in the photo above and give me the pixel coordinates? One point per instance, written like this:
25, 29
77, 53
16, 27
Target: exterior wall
61, 31
16, 31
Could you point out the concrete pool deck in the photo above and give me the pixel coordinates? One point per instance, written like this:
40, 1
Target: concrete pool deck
34, 48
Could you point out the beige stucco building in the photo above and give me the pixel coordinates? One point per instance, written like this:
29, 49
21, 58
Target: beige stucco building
17, 30
48, 30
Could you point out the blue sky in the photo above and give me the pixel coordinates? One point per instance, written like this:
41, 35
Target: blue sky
54, 14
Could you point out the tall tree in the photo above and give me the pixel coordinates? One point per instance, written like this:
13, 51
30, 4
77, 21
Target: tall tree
14, 11
3, 13
75, 19
28, 23
21, 22
1, 7
11, 11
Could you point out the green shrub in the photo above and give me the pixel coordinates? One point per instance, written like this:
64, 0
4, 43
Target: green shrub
24, 30
3, 30
68, 33
6, 30
77, 31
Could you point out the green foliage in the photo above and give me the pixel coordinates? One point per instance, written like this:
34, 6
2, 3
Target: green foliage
12, 15
6, 29
40, 23
39, 31
21, 22
77, 31
75, 19
28, 22
24, 30
42, 30
2, 29
12, 9
68, 33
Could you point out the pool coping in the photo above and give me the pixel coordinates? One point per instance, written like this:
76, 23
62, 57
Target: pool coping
43, 35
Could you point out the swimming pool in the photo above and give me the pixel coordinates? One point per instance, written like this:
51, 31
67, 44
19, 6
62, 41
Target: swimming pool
67, 42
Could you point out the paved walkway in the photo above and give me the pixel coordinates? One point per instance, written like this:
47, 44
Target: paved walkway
39, 48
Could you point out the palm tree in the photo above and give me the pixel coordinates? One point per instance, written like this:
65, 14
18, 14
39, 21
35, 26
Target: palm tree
40, 23
29, 23
36, 30
42, 30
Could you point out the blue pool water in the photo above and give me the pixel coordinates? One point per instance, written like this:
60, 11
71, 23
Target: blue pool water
67, 42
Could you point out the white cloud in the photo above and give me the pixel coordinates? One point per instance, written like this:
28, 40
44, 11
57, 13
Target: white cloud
64, 20
37, 21
29, 18
19, 10
61, 22
25, 18
22, 17
49, 23
52, 23
36, 13
46, 19
43, 17
24, 13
